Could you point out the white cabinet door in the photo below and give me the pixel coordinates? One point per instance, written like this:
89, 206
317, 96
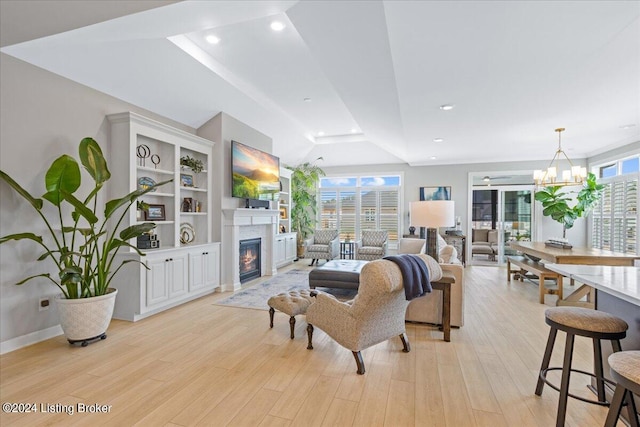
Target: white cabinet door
157, 290
280, 250
291, 247
204, 268
177, 275
212, 267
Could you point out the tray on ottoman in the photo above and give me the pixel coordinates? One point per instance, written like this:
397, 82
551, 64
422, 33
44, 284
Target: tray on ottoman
344, 274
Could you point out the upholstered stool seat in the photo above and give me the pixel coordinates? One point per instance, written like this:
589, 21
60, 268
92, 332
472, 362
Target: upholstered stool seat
291, 303
625, 371
585, 322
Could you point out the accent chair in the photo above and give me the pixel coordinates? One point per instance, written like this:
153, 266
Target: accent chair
375, 315
372, 246
323, 244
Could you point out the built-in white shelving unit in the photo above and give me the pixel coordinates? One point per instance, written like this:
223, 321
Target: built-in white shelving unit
186, 264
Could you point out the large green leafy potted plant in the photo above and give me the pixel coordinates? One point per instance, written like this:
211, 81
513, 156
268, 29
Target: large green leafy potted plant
81, 245
304, 187
555, 202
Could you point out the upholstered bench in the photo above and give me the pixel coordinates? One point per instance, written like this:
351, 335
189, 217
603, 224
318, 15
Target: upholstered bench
343, 274
291, 303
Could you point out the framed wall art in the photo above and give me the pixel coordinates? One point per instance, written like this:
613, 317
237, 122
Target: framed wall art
435, 193
155, 213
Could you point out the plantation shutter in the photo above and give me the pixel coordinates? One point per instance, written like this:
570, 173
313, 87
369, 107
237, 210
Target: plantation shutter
328, 209
389, 212
347, 217
615, 217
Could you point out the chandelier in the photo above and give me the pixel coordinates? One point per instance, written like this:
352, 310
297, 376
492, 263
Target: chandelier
575, 175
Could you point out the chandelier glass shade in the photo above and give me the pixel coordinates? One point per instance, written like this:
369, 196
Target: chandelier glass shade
575, 175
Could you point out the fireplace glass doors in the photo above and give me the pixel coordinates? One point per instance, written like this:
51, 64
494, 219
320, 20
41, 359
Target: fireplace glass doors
250, 259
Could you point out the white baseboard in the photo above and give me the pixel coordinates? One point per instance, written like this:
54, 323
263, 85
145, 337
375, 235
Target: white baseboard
28, 339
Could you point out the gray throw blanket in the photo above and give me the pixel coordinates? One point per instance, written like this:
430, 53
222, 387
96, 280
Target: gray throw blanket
415, 275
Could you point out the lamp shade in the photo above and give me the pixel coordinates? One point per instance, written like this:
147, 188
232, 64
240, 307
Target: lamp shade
432, 213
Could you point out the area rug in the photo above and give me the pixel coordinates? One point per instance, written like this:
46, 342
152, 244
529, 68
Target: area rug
256, 296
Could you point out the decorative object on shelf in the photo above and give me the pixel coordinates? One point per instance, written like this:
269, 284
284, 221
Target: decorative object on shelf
412, 230
575, 175
554, 202
186, 180
194, 164
283, 212
283, 229
148, 241
304, 183
140, 208
198, 205
187, 233
144, 182
187, 204
155, 213
143, 152
155, 159
84, 256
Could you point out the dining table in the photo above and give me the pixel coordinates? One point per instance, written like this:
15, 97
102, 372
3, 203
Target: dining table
583, 296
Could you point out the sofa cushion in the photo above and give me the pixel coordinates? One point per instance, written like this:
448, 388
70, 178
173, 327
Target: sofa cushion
411, 246
480, 235
323, 237
371, 250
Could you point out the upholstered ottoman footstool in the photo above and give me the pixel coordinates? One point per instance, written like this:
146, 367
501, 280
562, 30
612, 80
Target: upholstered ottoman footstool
343, 274
291, 303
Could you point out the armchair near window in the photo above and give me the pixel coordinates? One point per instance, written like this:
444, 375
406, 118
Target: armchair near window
323, 244
372, 246
375, 315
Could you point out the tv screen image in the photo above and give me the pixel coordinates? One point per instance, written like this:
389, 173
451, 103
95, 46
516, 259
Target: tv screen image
256, 174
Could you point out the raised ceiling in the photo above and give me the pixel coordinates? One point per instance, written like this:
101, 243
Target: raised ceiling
375, 74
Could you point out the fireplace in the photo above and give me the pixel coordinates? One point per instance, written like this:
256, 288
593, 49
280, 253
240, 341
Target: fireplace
250, 259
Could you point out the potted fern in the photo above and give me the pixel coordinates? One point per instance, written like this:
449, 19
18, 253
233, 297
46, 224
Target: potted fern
80, 244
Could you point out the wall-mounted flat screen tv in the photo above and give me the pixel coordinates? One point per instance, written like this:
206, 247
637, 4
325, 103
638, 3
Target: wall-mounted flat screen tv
256, 174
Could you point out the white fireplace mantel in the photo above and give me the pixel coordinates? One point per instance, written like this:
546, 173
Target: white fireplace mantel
234, 221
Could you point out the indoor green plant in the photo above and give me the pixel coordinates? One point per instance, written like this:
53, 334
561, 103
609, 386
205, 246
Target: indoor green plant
304, 187
194, 164
81, 245
556, 202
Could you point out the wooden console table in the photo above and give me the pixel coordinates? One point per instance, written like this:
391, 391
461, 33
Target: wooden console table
444, 285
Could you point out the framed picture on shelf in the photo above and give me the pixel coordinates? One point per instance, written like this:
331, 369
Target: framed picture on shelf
435, 193
186, 180
188, 205
155, 213
283, 212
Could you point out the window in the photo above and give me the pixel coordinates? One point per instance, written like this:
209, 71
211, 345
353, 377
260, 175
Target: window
614, 224
352, 204
626, 166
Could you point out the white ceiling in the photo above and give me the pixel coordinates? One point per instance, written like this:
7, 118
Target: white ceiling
514, 71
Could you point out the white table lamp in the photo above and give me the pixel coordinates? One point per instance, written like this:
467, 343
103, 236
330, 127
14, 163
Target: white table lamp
432, 214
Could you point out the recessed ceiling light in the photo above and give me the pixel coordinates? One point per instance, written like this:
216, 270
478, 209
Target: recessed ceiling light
433, 157
438, 139
629, 126
354, 130
277, 26
447, 107
321, 133
307, 99
212, 39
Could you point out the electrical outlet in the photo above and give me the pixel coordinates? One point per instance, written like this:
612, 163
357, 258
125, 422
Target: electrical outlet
43, 304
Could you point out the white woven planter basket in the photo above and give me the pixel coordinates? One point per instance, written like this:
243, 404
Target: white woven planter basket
86, 318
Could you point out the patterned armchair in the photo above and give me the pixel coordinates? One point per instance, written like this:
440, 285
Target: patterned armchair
375, 315
323, 244
372, 246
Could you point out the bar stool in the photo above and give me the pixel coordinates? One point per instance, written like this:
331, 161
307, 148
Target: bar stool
584, 322
625, 370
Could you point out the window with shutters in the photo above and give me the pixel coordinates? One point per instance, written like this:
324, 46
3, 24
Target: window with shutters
614, 220
352, 204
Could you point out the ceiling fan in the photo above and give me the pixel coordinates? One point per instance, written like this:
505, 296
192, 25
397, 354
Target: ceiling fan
488, 178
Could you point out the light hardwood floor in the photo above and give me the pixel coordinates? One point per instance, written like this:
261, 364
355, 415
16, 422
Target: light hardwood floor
204, 364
